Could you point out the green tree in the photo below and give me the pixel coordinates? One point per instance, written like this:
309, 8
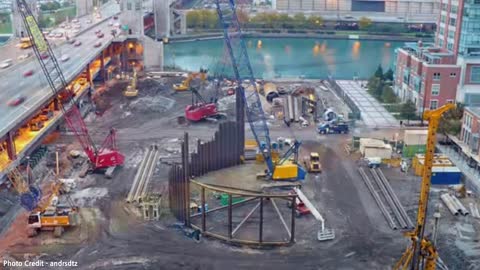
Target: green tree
299, 20
451, 122
364, 23
408, 110
379, 72
375, 86
315, 21
388, 75
388, 96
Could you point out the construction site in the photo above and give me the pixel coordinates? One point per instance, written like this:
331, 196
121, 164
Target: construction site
203, 171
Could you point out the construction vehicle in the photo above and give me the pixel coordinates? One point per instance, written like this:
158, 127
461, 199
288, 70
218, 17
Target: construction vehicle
333, 128
51, 216
200, 109
185, 84
36, 124
243, 74
132, 90
300, 208
100, 158
312, 163
422, 254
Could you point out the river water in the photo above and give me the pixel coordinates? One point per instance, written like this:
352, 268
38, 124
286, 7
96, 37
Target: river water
289, 57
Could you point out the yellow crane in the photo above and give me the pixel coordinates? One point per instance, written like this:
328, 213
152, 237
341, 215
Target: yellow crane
422, 251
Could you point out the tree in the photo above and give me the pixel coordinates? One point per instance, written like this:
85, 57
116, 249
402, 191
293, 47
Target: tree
379, 72
299, 20
364, 23
408, 110
388, 96
451, 122
315, 21
375, 86
388, 75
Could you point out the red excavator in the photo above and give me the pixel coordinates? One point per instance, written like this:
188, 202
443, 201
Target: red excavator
200, 109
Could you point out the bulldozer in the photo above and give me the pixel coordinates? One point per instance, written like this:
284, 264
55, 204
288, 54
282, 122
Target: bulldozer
132, 90
312, 163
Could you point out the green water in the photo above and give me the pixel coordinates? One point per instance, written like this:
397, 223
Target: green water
290, 57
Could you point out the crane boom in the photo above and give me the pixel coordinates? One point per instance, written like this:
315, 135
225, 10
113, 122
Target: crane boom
244, 75
421, 248
103, 157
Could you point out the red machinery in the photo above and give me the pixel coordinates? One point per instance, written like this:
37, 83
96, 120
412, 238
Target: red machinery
300, 207
199, 109
107, 156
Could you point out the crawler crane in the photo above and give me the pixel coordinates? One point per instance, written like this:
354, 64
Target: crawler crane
422, 254
107, 156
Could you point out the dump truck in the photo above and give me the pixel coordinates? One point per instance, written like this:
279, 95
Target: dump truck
312, 163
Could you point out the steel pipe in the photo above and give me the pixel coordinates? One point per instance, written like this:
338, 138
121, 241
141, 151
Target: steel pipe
377, 198
389, 199
144, 175
450, 205
245, 219
395, 199
463, 209
281, 217
151, 170
137, 175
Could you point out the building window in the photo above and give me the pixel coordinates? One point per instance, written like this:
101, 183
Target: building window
138, 6
451, 34
450, 101
454, 9
440, 42
436, 76
443, 18
453, 74
450, 46
444, 7
129, 6
435, 89
452, 21
433, 104
475, 74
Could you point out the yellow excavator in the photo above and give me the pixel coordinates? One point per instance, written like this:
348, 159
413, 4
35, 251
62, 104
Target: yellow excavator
185, 84
132, 90
422, 254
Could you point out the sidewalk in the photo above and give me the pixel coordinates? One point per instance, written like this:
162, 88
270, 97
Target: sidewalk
373, 114
472, 176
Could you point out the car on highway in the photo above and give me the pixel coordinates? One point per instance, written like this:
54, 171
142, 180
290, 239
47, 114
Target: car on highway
75, 21
98, 44
44, 56
75, 31
77, 26
110, 23
115, 17
117, 25
24, 56
78, 43
51, 35
68, 26
64, 58
100, 35
59, 35
17, 100
28, 73
72, 41
6, 63
98, 31
88, 21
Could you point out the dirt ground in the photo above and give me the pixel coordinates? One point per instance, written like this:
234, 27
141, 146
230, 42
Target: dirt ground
113, 235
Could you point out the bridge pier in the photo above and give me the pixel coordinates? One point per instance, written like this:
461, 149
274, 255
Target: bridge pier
103, 72
11, 151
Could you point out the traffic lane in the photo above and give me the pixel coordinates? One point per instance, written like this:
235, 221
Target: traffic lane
11, 115
11, 51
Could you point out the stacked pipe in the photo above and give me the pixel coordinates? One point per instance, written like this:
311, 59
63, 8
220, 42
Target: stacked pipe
462, 209
450, 204
143, 175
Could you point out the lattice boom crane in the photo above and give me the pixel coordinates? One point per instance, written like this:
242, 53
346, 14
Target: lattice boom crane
107, 156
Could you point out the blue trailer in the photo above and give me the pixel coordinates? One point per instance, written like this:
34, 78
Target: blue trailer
446, 176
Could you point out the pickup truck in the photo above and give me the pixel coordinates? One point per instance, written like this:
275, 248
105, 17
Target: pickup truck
328, 128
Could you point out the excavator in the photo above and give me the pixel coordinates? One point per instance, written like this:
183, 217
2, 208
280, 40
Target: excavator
200, 109
185, 85
422, 254
132, 90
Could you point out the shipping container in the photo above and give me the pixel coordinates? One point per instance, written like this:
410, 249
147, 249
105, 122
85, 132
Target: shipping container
420, 163
383, 153
446, 176
415, 137
367, 142
409, 151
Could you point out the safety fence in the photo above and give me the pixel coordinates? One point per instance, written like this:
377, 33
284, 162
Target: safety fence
339, 91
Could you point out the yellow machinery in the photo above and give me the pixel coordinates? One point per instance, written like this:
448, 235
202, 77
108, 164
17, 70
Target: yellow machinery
185, 85
132, 90
312, 163
422, 251
51, 216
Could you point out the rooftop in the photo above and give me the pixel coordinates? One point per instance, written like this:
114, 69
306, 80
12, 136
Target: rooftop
428, 52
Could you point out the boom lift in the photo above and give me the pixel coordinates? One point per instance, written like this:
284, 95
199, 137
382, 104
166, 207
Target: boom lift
105, 157
242, 70
422, 254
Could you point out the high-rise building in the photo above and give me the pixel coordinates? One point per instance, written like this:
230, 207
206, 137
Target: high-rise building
433, 74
